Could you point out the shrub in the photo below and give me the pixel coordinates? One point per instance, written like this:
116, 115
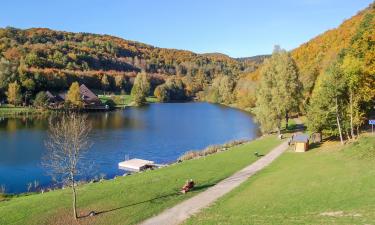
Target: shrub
212, 149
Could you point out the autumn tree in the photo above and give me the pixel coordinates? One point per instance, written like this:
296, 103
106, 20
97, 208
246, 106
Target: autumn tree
119, 82
73, 96
105, 82
141, 89
328, 103
8, 74
67, 143
14, 93
29, 87
279, 91
221, 90
161, 93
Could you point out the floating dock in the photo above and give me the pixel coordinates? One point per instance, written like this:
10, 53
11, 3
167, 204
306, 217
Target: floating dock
136, 165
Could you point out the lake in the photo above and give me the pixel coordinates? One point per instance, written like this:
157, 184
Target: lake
158, 132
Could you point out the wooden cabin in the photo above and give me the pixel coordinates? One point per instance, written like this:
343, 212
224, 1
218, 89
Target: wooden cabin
301, 142
89, 99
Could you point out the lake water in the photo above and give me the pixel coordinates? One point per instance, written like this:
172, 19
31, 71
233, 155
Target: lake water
158, 132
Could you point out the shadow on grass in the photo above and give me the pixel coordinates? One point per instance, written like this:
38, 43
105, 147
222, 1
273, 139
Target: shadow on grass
294, 128
315, 145
177, 193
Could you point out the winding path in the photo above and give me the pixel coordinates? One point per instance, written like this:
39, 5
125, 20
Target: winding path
185, 209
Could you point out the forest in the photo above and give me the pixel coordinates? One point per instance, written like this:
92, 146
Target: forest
40, 59
329, 78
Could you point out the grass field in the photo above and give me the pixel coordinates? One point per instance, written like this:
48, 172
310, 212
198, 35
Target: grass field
11, 110
124, 100
131, 199
328, 185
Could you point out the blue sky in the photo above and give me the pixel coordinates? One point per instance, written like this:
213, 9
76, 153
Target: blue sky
235, 27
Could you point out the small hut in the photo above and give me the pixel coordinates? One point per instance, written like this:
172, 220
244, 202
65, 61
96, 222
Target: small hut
301, 143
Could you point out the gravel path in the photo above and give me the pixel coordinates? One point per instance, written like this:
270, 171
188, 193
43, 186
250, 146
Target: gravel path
185, 209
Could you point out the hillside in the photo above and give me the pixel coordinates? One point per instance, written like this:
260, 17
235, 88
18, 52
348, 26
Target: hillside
313, 57
54, 59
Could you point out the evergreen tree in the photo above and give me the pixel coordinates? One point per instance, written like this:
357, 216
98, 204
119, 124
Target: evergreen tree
41, 99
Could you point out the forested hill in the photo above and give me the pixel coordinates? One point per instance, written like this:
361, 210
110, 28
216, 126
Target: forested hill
53, 59
314, 56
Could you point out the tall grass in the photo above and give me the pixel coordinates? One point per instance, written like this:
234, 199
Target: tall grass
212, 149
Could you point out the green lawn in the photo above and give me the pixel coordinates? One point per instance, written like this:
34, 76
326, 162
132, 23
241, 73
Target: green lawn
124, 100
328, 185
131, 199
11, 110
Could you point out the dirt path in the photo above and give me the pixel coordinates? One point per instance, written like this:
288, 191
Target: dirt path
185, 209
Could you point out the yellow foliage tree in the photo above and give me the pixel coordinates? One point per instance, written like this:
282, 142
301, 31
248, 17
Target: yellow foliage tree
14, 93
74, 96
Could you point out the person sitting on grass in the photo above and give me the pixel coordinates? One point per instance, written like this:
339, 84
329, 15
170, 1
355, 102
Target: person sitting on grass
188, 186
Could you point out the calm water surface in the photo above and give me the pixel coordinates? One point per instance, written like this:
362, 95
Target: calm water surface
159, 132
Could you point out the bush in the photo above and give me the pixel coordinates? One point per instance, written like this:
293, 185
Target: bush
212, 149
41, 99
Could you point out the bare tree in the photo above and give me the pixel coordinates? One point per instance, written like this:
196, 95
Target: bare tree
67, 142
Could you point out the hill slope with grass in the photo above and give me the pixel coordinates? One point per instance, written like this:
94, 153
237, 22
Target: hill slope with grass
328, 185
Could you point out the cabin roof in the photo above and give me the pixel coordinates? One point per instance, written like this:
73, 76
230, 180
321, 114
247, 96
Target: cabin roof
87, 93
301, 138
49, 94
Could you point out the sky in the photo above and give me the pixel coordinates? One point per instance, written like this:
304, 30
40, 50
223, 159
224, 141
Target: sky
238, 28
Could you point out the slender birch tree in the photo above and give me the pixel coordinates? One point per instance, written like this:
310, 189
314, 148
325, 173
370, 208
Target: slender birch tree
68, 140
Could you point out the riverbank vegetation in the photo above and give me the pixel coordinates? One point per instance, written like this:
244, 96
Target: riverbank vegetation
131, 199
35, 60
328, 185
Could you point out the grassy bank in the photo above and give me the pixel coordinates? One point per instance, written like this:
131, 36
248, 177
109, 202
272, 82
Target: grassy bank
328, 185
11, 110
131, 199
121, 101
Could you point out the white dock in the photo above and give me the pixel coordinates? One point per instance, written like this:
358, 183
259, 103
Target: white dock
136, 164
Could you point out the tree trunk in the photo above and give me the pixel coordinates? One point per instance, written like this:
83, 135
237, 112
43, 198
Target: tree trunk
351, 115
357, 131
338, 122
74, 200
286, 121
348, 135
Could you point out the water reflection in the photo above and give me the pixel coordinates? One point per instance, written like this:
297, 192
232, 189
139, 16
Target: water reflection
159, 132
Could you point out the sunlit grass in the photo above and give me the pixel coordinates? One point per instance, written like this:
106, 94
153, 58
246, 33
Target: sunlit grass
131, 199
328, 185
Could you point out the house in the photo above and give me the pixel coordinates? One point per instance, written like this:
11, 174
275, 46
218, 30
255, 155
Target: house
89, 99
301, 142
